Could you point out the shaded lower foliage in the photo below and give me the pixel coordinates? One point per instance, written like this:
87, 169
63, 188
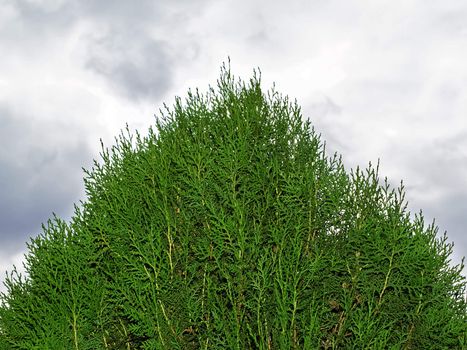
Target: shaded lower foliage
231, 229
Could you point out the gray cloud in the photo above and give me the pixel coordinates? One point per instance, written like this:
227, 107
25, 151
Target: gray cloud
436, 178
440, 165
450, 216
124, 43
50, 14
137, 68
133, 53
327, 118
36, 181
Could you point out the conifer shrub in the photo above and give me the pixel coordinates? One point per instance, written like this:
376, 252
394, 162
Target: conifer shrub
230, 228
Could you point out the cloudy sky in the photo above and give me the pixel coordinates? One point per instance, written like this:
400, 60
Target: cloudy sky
378, 79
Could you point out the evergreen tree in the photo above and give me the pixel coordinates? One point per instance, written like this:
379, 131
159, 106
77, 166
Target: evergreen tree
230, 228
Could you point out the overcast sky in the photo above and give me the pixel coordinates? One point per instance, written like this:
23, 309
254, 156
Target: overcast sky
378, 79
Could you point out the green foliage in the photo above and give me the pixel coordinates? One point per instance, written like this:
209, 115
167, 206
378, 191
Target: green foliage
230, 228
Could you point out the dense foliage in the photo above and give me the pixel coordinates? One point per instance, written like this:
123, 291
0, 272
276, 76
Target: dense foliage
230, 228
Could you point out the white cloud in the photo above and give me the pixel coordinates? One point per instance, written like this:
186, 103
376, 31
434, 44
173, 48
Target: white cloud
11, 259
